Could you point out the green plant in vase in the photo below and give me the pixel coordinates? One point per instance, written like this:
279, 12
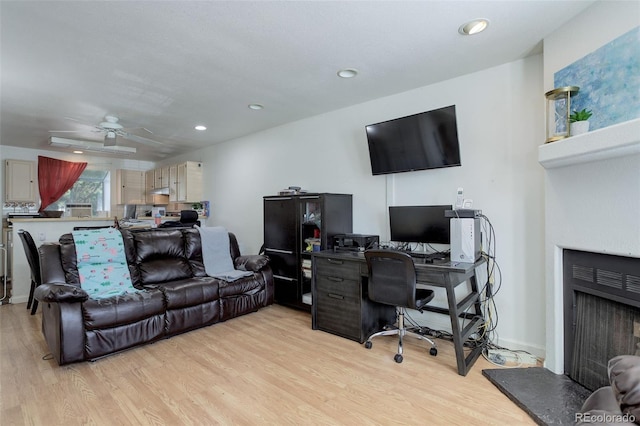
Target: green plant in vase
579, 121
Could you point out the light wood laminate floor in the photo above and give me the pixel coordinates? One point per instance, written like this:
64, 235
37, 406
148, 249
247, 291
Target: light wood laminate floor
267, 367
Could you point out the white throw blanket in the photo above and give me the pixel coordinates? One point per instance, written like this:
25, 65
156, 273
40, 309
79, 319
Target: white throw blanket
216, 254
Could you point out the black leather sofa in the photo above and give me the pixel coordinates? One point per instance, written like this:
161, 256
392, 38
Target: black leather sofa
619, 403
177, 295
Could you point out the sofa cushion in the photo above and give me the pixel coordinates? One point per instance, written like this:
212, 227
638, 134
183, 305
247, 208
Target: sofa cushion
624, 375
189, 292
248, 285
121, 310
160, 255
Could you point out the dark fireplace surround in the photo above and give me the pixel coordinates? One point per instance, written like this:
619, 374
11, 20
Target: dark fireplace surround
601, 313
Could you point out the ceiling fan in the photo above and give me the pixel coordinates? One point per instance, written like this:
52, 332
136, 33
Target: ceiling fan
112, 130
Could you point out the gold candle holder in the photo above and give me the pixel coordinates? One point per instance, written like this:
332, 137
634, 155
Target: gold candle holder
558, 112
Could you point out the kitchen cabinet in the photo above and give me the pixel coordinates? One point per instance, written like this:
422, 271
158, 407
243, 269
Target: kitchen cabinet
293, 226
150, 185
130, 187
185, 182
161, 177
20, 181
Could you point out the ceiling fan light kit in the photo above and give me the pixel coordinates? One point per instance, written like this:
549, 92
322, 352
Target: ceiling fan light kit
110, 139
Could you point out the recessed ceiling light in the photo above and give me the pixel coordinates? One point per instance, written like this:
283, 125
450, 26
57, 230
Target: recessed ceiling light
256, 106
474, 27
201, 127
348, 73
78, 152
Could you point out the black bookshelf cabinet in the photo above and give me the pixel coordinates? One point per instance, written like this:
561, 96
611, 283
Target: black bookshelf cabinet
295, 226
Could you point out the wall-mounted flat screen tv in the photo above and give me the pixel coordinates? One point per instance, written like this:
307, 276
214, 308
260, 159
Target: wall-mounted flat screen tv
428, 140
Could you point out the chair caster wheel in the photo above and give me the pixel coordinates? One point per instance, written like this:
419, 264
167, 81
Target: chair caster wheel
398, 358
368, 344
433, 352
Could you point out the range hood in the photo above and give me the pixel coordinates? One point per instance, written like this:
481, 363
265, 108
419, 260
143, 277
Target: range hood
159, 191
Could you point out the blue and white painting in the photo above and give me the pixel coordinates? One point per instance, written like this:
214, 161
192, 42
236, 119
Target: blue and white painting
609, 81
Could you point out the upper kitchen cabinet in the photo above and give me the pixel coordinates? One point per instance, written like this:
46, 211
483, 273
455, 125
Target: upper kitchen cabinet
20, 181
161, 177
130, 187
185, 182
150, 185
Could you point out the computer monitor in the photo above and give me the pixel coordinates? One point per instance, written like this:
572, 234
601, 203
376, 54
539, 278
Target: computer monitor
420, 224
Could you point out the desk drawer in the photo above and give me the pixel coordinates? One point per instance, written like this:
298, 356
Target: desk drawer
333, 285
329, 266
337, 309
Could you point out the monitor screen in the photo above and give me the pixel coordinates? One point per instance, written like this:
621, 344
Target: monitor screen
427, 140
419, 224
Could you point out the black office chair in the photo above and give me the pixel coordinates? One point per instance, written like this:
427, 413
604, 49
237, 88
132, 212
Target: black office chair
31, 251
188, 218
392, 281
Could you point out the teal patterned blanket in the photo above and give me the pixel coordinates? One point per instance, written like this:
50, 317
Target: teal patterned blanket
102, 264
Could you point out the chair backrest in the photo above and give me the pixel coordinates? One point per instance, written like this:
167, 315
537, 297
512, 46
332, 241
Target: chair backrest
392, 278
31, 251
189, 218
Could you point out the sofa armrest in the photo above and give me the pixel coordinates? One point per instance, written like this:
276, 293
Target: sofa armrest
253, 263
60, 293
624, 376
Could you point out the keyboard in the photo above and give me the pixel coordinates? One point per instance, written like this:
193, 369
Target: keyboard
428, 256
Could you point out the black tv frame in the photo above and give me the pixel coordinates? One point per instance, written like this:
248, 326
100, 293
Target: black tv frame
427, 140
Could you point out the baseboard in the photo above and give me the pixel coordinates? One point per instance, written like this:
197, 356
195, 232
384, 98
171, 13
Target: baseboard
18, 299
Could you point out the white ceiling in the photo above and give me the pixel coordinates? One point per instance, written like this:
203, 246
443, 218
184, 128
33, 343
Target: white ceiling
169, 65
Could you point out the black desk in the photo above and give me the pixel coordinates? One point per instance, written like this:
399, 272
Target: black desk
341, 306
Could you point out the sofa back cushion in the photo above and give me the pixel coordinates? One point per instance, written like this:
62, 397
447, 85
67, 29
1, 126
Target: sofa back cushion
157, 255
153, 255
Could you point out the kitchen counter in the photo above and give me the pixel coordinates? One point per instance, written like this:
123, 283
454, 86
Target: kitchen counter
61, 219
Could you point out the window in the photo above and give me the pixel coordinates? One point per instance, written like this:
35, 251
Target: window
93, 186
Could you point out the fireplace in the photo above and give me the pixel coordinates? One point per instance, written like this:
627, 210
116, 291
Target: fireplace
601, 313
592, 204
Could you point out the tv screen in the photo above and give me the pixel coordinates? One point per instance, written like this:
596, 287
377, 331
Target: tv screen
427, 140
420, 224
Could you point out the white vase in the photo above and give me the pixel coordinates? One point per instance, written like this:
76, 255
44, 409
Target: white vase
579, 127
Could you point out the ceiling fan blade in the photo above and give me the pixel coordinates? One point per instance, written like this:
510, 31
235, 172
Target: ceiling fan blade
134, 130
91, 129
140, 139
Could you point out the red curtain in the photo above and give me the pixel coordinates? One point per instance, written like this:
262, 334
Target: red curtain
55, 177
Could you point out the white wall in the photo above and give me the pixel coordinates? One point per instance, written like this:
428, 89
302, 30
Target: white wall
500, 115
606, 193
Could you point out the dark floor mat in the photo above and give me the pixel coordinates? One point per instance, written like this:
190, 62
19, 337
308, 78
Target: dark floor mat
550, 399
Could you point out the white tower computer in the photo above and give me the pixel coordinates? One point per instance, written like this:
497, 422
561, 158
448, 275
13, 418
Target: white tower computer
465, 239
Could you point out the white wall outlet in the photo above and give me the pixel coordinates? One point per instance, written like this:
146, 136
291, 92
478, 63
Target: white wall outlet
42, 236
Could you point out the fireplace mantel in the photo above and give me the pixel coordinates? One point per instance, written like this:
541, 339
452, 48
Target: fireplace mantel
610, 142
